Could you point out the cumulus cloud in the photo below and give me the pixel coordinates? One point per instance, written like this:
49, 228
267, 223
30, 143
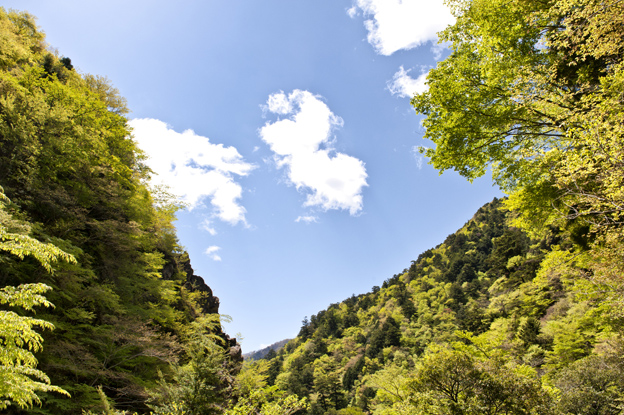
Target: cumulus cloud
211, 251
302, 145
405, 86
279, 104
402, 24
194, 168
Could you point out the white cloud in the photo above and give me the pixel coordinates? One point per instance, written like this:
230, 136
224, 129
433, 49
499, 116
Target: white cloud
207, 226
302, 144
402, 24
404, 85
438, 48
193, 167
418, 157
211, 251
307, 219
279, 104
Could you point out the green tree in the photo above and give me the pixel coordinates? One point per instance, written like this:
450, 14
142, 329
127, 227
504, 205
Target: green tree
327, 384
201, 385
531, 90
77, 180
255, 396
19, 378
593, 385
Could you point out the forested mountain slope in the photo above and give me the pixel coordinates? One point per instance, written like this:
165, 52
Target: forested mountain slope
518, 312
262, 353
482, 323
129, 314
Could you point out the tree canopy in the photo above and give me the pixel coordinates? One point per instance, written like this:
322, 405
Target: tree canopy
532, 90
80, 206
518, 312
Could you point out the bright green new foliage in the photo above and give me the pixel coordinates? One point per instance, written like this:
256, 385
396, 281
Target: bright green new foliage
19, 377
122, 287
491, 321
532, 90
516, 313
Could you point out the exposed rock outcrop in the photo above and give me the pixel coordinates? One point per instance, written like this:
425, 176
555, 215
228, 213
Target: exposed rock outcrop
209, 304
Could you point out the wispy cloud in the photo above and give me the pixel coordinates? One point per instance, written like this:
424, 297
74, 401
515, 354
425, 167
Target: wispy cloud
438, 48
303, 145
207, 226
402, 24
418, 157
404, 85
211, 251
194, 168
307, 219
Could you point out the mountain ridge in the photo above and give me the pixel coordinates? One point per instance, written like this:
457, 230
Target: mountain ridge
482, 303
131, 319
262, 353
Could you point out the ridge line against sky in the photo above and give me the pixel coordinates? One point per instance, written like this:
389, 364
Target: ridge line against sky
286, 127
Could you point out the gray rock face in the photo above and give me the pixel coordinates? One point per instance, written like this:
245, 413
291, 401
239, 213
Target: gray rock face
236, 353
209, 304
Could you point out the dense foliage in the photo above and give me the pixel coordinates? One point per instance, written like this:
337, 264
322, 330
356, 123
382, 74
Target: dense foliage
533, 89
19, 378
518, 312
129, 317
484, 323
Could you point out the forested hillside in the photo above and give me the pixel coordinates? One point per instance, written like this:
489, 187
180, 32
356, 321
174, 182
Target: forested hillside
518, 312
262, 353
482, 323
79, 223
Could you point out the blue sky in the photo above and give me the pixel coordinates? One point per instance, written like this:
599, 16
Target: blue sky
286, 127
